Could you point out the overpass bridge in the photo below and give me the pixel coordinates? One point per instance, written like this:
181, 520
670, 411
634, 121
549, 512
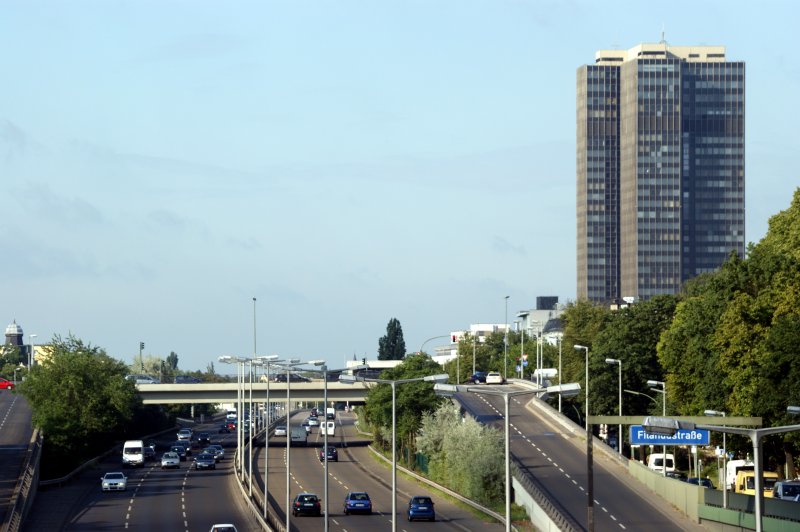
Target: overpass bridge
227, 392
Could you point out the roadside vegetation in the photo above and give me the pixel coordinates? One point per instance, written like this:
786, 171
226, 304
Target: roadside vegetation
84, 405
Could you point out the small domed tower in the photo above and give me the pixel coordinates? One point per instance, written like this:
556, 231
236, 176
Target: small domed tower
14, 334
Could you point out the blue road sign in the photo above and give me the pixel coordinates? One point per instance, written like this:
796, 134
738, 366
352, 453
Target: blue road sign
682, 437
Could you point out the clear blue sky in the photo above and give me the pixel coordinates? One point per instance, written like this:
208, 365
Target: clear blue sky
344, 162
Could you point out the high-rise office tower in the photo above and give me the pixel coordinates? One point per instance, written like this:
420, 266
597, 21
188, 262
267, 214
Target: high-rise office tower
660, 168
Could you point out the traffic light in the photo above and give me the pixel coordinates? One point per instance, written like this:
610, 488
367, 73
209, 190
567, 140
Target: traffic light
364, 361
141, 346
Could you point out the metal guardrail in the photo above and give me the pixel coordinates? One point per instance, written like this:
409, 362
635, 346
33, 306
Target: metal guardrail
25, 490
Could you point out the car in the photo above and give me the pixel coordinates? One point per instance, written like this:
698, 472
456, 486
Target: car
477, 377
306, 503
231, 425
149, 453
205, 461
223, 528
203, 439
185, 434
186, 379
143, 379
170, 459
357, 501
703, 482
333, 454
224, 428
185, 444
313, 421
280, 430
420, 507
6, 384
494, 377
217, 450
180, 450
114, 481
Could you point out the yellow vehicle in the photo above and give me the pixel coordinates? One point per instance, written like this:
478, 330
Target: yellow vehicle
746, 482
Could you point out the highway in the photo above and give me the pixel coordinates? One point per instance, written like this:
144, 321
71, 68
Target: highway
15, 435
356, 470
163, 500
561, 468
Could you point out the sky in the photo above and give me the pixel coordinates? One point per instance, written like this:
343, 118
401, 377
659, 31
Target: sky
344, 162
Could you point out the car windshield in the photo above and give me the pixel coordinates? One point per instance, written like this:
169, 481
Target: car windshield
113, 476
422, 500
360, 497
791, 490
308, 498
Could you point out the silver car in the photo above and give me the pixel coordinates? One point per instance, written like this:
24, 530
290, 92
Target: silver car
170, 460
115, 481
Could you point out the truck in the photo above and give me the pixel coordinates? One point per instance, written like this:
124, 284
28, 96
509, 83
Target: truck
330, 413
733, 467
746, 482
299, 436
133, 453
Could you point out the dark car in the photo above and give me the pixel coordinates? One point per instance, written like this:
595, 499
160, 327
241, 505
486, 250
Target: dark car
224, 428
186, 379
180, 450
333, 454
203, 439
293, 377
185, 444
357, 502
149, 453
420, 507
306, 503
477, 378
704, 482
205, 461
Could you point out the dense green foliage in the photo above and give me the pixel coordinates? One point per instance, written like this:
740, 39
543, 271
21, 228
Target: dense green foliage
391, 346
464, 455
728, 342
412, 399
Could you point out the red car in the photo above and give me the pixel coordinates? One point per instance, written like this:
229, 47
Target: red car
6, 384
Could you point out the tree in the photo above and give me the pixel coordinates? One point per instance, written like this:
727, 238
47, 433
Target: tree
80, 398
464, 455
392, 346
172, 361
412, 399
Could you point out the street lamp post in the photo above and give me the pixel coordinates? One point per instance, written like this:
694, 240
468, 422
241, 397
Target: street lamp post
450, 389
589, 450
474, 350
239, 361
289, 366
619, 430
439, 378
724, 459
663, 392
325, 371
505, 344
33, 348
264, 361
559, 370
518, 323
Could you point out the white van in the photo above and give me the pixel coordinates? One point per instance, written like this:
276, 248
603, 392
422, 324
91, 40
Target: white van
133, 453
328, 427
656, 462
